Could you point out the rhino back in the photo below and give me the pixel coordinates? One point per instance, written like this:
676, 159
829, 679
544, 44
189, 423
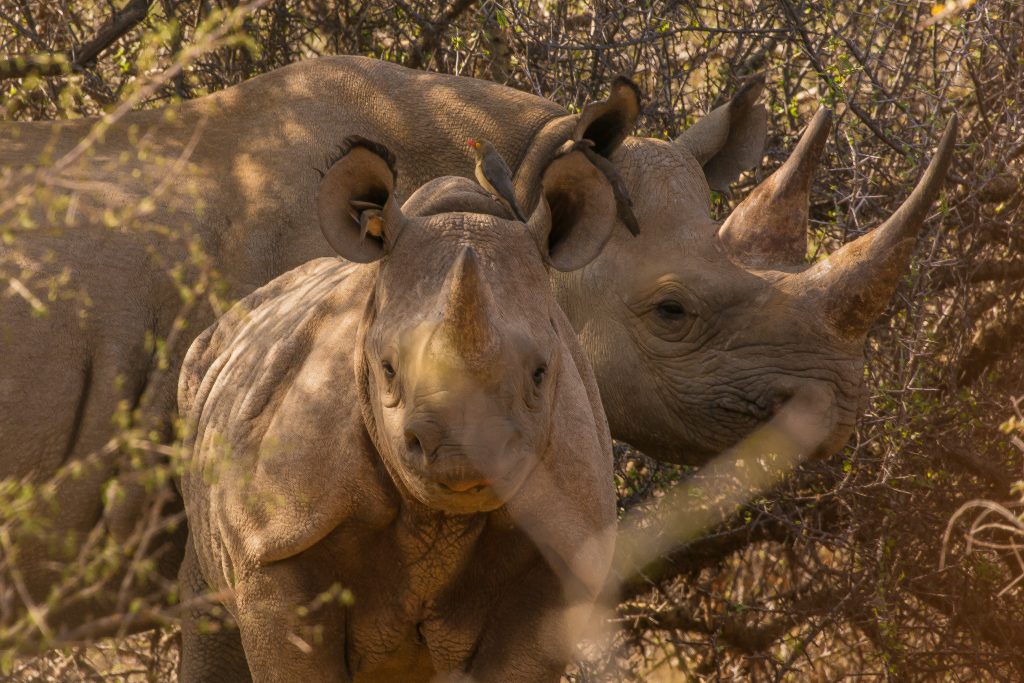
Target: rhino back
224, 162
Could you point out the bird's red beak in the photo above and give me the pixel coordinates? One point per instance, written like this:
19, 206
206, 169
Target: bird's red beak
472, 143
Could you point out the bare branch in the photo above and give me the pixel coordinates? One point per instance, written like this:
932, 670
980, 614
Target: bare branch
60, 63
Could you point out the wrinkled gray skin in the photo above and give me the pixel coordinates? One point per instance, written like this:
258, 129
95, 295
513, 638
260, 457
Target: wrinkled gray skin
696, 332
424, 431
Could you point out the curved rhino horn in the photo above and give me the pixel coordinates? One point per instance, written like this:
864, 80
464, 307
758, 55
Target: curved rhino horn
856, 282
769, 227
466, 323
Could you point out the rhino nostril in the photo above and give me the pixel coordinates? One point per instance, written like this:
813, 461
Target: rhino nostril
413, 446
766, 406
758, 407
761, 407
412, 442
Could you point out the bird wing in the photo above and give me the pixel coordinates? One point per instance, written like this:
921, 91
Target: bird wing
500, 177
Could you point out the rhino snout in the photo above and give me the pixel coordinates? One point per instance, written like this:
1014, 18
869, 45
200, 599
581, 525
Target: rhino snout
460, 461
421, 440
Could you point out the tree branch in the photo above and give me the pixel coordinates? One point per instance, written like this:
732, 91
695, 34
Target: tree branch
987, 271
60, 63
432, 31
703, 552
994, 341
800, 33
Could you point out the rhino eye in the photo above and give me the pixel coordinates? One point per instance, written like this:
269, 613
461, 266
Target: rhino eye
538, 375
389, 370
670, 309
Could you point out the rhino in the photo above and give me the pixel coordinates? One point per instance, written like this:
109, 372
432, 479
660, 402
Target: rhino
697, 332
422, 429
700, 331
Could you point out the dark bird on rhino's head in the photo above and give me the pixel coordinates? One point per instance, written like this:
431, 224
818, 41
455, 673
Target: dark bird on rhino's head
494, 175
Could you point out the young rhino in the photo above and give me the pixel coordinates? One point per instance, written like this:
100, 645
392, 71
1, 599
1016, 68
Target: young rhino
422, 431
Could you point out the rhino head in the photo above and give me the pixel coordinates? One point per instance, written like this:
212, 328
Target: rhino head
698, 331
462, 341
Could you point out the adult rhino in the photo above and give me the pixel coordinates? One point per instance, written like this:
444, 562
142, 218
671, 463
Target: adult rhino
696, 332
423, 430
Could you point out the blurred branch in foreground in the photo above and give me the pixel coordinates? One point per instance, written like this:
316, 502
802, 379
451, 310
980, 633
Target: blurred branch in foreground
76, 58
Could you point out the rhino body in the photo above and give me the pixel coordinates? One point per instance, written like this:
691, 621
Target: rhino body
424, 431
696, 332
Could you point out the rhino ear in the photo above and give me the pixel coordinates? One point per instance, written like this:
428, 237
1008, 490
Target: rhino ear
731, 138
576, 213
607, 123
359, 214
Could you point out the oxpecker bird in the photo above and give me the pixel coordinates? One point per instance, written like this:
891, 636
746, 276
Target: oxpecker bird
370, 218
494, 175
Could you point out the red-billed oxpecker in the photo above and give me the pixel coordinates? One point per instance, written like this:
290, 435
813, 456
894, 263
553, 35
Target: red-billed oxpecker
494, 175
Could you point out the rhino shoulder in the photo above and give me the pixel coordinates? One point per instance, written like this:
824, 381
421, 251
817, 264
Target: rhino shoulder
257, 388
208, 346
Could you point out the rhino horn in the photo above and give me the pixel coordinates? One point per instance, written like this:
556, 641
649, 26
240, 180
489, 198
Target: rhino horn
466, 324
769, 227
855, 283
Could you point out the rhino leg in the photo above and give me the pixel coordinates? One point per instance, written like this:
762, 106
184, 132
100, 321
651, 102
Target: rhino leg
213, 653
528, 640
56, 413
283, 643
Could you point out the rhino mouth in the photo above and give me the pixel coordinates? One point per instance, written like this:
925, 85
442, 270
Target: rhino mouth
463, 490
465, 487
814, 400
464, 477
479, 497
809, 411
